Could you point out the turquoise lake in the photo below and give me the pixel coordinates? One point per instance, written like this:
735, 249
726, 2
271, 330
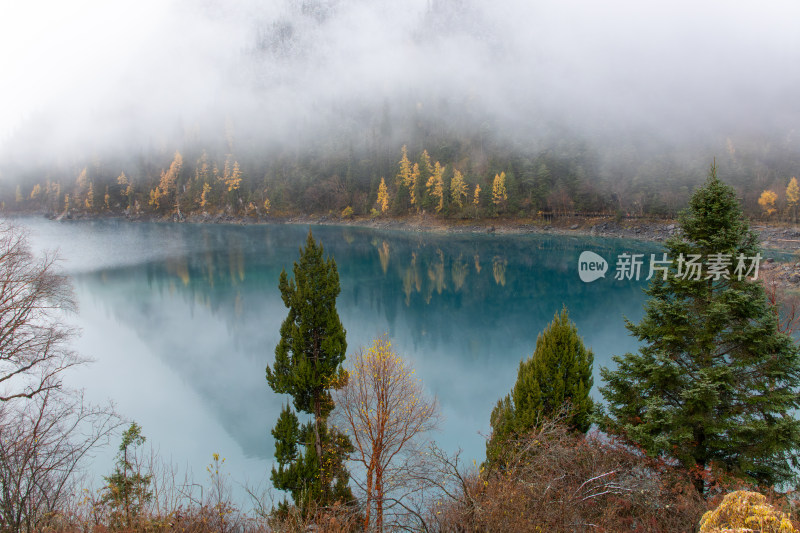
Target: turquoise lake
181, 321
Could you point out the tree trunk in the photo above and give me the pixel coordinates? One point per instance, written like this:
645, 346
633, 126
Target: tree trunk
370, 472
317, 419
699, 482
379, 499
699, 477
318, 414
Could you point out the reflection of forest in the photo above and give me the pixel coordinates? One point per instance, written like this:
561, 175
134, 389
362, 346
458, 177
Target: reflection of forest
438, 288
424, 278
451, 301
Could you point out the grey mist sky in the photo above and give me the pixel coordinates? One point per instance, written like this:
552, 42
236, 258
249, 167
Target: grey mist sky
90, 75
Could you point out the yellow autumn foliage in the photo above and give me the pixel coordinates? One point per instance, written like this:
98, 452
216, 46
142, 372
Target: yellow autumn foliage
743, 511
499, 193
767, 202
458, 188
793, 193
383, 197
435, 185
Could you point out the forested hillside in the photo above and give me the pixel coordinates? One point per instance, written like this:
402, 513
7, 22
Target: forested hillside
447, 176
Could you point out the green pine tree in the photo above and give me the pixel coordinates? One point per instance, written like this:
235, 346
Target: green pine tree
127, 489
308, 364
714, 383
559, 373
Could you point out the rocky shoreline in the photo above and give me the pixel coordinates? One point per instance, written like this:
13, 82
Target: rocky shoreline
773, 237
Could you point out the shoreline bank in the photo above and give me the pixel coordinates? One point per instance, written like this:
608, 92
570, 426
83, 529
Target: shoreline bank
773, 237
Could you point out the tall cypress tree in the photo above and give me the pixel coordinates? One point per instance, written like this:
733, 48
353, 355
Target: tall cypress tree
714, 383
308, 363
559, 372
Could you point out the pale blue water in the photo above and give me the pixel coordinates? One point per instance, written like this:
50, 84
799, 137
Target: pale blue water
182, 320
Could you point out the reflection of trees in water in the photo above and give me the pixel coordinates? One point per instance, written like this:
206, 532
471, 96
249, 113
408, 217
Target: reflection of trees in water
411, 279
448, 300
228, 270
436, 277
383, 253
499, 270
459, 273
427, 280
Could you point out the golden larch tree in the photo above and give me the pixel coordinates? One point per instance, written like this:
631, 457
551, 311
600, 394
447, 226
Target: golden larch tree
89, 202
384, 409
204, 196
383, 197
168, 186
435, 185
793, 197
233, 176
404, 177
476, 198
412, 188
36, 192
155, 198
82, 182
458, 188
767, 202
499, 194
81, 186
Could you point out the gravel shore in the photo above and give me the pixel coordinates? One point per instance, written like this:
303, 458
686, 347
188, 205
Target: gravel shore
775, 237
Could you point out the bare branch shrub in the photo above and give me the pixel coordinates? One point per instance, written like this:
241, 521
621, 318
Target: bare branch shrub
555, 480
43, 446
47, 431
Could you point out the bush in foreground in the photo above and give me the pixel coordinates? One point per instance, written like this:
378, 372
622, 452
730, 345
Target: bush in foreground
742, 511
552, 479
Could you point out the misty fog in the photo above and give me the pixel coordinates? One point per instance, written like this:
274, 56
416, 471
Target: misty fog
91, 78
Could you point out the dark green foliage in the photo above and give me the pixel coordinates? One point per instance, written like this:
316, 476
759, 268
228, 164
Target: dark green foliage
307, 366
299, 471
558, 375
127, 490
287, 434
715, 383
312, 346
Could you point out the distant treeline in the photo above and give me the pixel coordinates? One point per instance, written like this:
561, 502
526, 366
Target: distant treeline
470, 177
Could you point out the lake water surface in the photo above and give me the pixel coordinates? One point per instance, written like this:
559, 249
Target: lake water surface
182, 320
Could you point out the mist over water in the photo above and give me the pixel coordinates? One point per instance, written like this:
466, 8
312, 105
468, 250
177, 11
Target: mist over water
143, 76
